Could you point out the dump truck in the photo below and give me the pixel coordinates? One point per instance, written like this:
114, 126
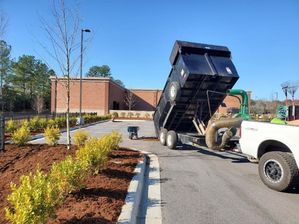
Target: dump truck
200, 78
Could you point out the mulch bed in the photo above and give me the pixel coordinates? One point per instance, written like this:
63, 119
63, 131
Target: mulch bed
99, 202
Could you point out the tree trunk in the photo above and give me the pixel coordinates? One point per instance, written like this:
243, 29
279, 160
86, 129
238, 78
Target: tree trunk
68, 136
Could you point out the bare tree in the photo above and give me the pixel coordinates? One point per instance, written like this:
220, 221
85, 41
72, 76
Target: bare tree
38, 104
130, 100
63, 37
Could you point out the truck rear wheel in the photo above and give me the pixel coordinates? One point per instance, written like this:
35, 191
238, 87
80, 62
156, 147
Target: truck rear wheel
162, 136
171, 139
278, 170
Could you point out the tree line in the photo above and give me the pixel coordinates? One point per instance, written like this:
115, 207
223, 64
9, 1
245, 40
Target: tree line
26, 81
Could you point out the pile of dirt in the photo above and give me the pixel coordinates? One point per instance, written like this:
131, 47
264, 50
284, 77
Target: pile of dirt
99, 202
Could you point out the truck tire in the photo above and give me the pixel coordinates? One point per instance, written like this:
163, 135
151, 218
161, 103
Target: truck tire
173, 91
171, 139
278, 170
162, 136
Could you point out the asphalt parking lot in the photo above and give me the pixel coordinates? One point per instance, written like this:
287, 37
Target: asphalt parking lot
203, 186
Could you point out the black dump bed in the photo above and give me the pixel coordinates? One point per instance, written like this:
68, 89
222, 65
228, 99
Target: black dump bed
196, 69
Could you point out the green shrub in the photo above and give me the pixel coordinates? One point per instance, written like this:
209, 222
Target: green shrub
123, 114
130, 114
51, 123
88, 156
147, 115
137, 115
34, 200
42, 123
80, 137
52, 135
73, 121
25, 123
39, 195
60, 121
89, 118
34, 123
108, 116
10, 126
21, 136
68, 175
95, 151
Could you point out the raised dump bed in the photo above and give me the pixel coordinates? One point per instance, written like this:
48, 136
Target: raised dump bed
198, 72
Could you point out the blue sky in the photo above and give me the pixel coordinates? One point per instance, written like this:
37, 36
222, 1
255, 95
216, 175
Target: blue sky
135, 37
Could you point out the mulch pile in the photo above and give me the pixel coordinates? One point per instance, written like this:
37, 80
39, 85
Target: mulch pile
100, 201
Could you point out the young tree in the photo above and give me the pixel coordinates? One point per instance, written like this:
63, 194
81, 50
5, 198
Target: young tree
99, 71
130, 100
63, 36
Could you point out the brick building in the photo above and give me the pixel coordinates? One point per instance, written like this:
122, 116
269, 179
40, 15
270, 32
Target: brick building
100, 95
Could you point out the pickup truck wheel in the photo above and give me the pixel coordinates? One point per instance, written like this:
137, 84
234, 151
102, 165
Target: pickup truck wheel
278, 170
171, 139
162, 136
173, 91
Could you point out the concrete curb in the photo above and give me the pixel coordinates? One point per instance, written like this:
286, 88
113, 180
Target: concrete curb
154, 206
130, 209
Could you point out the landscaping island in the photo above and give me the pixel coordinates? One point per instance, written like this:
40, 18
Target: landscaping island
102, 196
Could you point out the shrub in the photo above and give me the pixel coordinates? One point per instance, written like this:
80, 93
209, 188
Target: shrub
73, 121
10, 126
25, 123
38, 196
108, 116
34, 200
51, 123
80, 137
114, 115
147, 115
34, 123
137, 115
21, 135
60, 121
68, 175
123, 114
95, 151
130, 114
42, 123
52, 135
89, 156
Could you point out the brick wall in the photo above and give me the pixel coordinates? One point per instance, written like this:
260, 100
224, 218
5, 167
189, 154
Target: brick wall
116, 97
95, 95
146, 99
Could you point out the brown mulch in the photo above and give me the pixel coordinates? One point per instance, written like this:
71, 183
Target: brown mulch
150, 139
99, 202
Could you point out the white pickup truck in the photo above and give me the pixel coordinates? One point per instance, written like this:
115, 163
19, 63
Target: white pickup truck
276, 148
